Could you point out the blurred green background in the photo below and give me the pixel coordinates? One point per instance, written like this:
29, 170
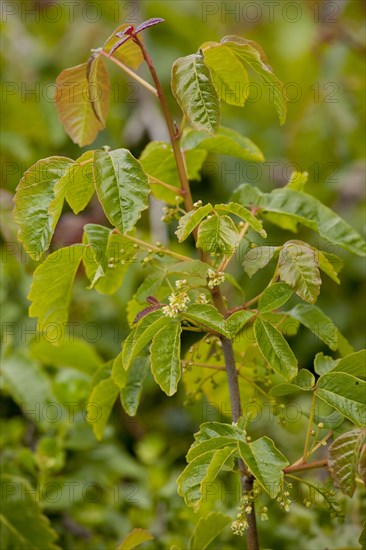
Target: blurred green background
317, 49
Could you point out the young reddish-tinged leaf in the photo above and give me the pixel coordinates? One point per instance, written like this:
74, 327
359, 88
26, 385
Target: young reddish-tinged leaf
189, 221
165, 357
135, 538
50, 292
149, 23
343, 459
82, 104
36, 211
195, 93
275, 349
298, 267
122, 187
130, 54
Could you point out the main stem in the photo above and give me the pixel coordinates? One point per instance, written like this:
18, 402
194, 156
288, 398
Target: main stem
227, 346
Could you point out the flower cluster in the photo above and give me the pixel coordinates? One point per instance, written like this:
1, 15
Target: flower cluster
214, 278
177, 303
241, 524
201, 299
181, 283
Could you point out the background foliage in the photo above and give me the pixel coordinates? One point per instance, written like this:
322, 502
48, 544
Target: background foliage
130, 479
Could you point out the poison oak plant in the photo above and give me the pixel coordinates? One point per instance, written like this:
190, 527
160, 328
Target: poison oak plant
243, 339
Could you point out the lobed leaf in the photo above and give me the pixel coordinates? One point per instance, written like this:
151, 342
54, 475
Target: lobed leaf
218, 234
258, 257
36, 211
82, 104
122, 187
343, 459
298, 267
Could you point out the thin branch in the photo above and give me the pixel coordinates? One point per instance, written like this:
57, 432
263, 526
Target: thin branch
306, 466
310, 427
158, 249
131, 73
175, 190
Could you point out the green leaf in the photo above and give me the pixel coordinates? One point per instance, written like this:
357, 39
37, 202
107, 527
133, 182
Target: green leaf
75, 353
343, 459
158, 161
129, 53
207, 529
165, 357
200, 473
323, 363
36, 211
304, 381
78, 182
194, 270
312, 213
275, 349
345, 393
189, 221
362, 538
100, 405
218, 234
258, 257
50, 302
23, 526
298, 180
249, 54
29, 386
81, 112
225, 142
213, 436
228, 74
237, 321
195, 92
140, 336
207, 316
149, 286
134, 379
274, 297
315, 320
298, 267
107, 260
122, 187
136, 537
244, 214
265, 462
354, 364
329, 264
